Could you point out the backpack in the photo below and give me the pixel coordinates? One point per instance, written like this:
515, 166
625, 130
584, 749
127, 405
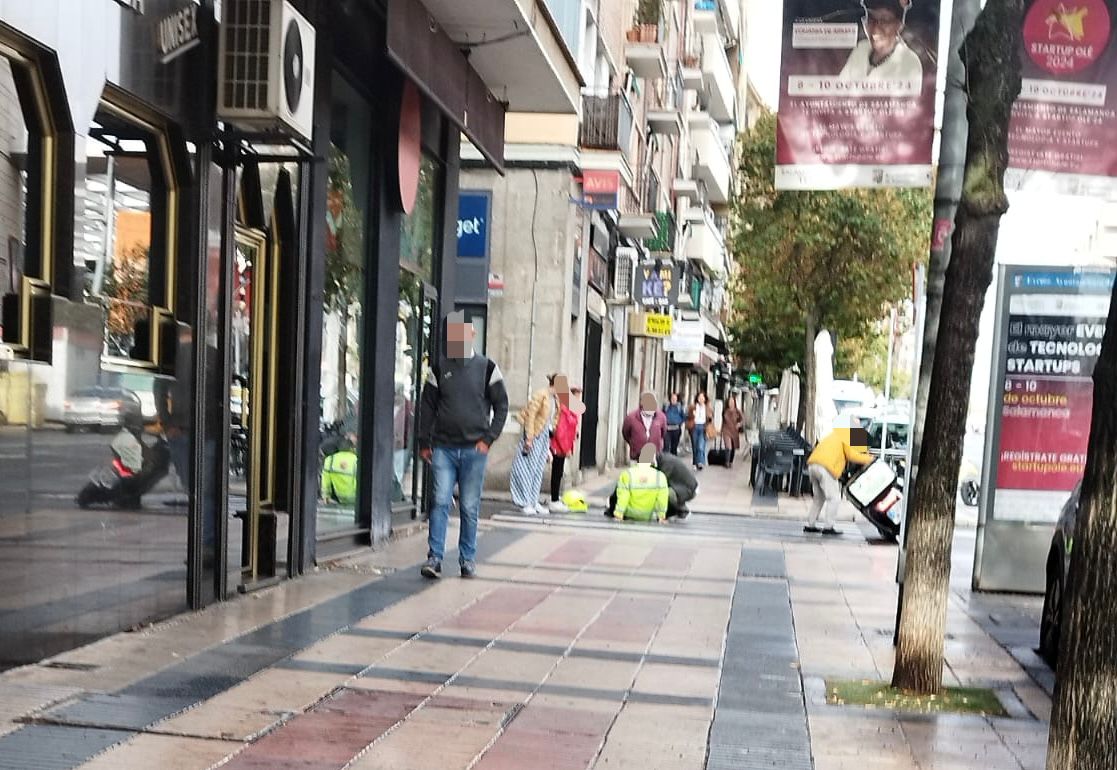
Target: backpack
566, 431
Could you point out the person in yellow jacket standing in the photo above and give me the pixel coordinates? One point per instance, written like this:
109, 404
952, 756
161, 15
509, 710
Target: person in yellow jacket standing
826, 465
642, 491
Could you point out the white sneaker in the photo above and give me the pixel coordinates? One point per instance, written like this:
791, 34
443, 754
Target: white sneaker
541, 510
558, 506
528, 510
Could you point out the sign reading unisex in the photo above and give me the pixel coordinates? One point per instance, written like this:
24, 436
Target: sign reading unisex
1051, 326
1063, 134
857, 94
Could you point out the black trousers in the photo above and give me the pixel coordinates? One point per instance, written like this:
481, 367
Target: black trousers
558, 467
672, 438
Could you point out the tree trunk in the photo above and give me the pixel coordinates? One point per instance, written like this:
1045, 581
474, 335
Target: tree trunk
1084, 714
991, 54
806, 392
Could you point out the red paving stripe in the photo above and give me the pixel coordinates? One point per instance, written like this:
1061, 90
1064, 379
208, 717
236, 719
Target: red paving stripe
330, 734
670, 558
548, 739
576, 551
499, 609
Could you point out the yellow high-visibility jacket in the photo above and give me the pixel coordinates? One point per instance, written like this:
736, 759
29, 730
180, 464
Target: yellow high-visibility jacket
835, 450
642, 494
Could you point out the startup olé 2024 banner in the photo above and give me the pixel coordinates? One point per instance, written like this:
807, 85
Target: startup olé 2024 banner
857, 94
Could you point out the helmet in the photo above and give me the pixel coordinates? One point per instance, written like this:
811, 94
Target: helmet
575, 501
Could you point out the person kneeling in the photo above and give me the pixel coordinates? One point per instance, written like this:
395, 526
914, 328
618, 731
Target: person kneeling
642, 491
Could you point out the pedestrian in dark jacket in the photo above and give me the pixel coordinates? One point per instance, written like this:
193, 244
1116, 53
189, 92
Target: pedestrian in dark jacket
682, 483
675, 412
646, 425
464, 407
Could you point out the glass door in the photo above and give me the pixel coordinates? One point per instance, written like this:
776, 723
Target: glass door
253, 525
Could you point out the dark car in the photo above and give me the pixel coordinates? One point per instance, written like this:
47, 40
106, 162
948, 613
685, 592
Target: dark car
102, 408
1058, 565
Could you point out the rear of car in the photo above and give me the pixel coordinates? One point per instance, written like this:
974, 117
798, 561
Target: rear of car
1058, 566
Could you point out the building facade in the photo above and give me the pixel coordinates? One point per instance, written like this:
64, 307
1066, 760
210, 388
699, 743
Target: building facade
608, 221
223, 277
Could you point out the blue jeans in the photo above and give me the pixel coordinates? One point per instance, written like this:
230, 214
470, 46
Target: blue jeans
698, 444
465, 467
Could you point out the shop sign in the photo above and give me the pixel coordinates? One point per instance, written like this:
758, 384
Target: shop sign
686, 337
601, 189
1051, 327
650, 325
658, 284
473, 224
496, 285
178, 33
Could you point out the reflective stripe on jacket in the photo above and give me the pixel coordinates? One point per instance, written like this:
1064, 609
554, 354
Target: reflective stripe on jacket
641, 494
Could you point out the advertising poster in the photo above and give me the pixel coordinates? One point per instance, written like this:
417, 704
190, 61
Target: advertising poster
857, 94
1053, 322
658, 284
1063, 134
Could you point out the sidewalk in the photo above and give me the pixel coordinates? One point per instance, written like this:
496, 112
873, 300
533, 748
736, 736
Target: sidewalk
583, 644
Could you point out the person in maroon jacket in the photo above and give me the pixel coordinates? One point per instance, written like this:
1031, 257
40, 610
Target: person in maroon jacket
646, 425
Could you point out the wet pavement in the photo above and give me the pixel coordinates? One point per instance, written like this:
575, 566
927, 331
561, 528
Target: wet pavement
583, 643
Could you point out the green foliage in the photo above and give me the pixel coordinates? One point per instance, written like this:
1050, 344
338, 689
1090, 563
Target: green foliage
649, 12
840, 257
867, 357
957, 700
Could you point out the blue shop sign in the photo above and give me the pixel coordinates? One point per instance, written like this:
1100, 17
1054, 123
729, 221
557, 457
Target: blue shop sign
473, 224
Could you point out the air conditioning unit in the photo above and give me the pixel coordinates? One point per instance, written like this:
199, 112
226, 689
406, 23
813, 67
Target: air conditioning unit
624, 274
266, 77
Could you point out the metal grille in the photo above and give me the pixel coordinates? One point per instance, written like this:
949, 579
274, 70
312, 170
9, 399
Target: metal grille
247, 30
624, 266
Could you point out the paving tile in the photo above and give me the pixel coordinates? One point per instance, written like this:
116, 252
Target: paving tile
163, 751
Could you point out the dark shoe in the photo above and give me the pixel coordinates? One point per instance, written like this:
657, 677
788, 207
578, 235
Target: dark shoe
811, 528
432, 569
831, 531
469, 569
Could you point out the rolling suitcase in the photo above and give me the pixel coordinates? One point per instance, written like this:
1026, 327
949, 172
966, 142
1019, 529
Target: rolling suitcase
875, 493
718, 456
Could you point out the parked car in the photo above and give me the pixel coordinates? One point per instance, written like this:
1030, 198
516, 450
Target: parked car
99, 408
1058, 565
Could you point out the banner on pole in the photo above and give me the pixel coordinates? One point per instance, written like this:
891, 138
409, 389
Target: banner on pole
1063, 133
857, 94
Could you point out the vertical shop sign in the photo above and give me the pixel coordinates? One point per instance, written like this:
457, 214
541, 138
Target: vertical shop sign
1063, 132
1051, 326
857, 94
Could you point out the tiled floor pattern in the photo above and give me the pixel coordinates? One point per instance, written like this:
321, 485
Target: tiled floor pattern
563, 654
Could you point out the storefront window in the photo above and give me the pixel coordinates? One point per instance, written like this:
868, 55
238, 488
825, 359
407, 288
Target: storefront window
13, 183
118, 176
347, 195
414, 330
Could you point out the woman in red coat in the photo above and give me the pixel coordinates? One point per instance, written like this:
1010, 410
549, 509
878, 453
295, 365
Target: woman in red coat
564, 435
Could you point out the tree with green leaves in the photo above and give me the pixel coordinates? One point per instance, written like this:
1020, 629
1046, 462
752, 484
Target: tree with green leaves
814, 260
991, 54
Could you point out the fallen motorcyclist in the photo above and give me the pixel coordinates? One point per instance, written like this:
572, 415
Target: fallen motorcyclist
682, 486
642, 491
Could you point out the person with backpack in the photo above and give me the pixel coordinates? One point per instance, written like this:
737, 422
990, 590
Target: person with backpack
530, 461
463, 410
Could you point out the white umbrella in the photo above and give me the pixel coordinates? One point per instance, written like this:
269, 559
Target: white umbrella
789, 397
824, 410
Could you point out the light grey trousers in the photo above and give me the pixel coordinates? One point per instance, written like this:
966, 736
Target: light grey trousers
827, 496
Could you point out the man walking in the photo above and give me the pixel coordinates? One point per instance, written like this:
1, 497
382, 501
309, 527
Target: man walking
826, 465
464, 406
645, 425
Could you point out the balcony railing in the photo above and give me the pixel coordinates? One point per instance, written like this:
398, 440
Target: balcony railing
606, 123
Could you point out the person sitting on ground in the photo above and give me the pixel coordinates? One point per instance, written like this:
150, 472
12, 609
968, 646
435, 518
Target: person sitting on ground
825, 466
682, 484
642, 491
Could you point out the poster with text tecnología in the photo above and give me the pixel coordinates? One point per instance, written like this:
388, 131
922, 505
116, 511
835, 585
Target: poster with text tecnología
857, 94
